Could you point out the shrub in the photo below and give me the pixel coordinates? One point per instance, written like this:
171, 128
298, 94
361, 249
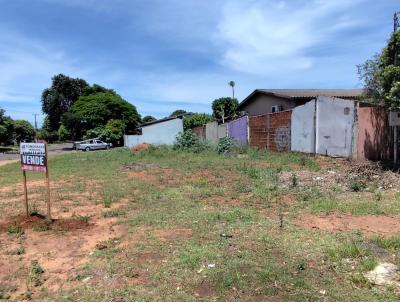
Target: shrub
357, 186
225, 145
63, 133
189, 141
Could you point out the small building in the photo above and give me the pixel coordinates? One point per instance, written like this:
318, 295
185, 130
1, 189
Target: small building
159, 132
265, 101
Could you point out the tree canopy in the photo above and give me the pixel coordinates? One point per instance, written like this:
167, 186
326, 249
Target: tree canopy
23, 130
148, 119
381, 74
96, 110
225, 109
11, 130
60, 96
196, 120
178, 112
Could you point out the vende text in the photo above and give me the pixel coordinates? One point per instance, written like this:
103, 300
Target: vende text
33, 160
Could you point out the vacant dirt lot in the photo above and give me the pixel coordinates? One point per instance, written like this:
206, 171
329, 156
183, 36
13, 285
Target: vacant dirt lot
163, 225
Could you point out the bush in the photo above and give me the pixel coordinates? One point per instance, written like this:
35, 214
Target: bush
189, 141
225, 145
63, 133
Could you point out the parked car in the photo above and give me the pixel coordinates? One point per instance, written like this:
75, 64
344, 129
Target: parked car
91, 144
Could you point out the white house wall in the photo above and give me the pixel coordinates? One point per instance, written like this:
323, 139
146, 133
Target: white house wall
302, 128
334, 124
163, 133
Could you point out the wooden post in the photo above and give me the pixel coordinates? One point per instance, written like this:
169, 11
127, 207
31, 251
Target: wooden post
48, 186
395, 144
25, 194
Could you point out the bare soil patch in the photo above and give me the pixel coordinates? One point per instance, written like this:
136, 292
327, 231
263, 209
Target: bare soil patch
174, 234
40, 222
369, 225
6, 162
140, 148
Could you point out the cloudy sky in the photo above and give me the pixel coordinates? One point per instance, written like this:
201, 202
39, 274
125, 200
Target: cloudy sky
163, 55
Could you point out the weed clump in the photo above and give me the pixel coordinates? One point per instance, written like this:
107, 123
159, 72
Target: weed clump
225, 145
190, 141
36, 272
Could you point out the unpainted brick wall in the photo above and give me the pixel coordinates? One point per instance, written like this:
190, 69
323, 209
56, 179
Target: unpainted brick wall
271, 131
279, 130
200, 131
258, 131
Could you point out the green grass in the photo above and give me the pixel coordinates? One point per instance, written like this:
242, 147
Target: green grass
233, 248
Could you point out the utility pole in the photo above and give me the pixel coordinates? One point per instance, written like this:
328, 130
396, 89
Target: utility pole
35, 115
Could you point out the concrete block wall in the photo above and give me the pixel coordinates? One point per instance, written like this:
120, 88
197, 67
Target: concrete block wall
258, 127
212, 132
279, 130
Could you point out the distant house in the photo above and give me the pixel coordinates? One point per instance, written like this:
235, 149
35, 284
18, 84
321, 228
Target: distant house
264, 101
159, 132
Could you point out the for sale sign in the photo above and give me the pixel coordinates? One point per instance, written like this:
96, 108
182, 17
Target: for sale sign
33, 157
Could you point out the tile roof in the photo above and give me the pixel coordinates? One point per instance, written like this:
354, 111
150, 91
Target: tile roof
301, 94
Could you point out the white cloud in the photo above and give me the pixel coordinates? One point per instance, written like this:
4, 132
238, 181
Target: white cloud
270, 36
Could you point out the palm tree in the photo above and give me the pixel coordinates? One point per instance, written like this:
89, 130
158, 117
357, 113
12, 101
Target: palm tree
232, 84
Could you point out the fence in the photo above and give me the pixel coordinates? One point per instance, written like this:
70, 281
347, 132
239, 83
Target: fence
238, 130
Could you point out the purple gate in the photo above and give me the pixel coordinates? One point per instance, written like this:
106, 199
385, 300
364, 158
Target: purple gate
238, 130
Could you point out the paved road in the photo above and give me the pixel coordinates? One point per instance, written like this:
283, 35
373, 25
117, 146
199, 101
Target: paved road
53, 149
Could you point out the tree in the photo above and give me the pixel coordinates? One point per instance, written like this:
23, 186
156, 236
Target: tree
148, 119
178, 112
23, 130
60, 96
6, 128
63, 133
232, 84
95, 88
96, 110
381, 74
225, 109
112, 132
196, 120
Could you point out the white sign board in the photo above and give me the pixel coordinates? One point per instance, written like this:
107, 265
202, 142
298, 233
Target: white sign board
33, 157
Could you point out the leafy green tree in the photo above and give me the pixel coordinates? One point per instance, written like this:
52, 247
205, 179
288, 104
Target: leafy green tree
95, 88
148, 119
59, 97
381, 74
6, 128
45, 133
178, 112
63, 133
196, 120
112, 132
23, 130
96, 110
225, 109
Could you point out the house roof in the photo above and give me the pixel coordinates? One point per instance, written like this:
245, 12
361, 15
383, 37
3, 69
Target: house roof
166, 119
304, 94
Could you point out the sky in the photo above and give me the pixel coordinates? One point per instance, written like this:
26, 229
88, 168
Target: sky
163, 55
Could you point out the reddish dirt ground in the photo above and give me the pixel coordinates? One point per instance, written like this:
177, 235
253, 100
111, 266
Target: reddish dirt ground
61, 247
369, 225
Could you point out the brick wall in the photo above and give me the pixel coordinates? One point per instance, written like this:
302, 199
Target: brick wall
279, 131
200, 131
258, 131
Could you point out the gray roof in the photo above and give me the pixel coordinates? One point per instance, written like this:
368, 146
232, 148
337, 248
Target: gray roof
304, 94
166, 119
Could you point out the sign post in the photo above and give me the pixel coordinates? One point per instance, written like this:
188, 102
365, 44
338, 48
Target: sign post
34, 158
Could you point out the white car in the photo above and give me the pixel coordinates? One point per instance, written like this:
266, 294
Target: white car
92, 144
